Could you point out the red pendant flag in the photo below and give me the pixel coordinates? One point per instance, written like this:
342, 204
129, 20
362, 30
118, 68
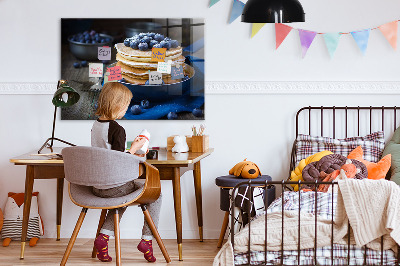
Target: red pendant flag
281, 31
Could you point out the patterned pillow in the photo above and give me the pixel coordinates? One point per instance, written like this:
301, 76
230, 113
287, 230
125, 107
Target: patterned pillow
372, 144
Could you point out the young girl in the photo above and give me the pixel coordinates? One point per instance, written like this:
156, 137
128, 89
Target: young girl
113, 102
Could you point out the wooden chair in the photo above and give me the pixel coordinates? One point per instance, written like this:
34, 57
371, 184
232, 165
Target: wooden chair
85, 167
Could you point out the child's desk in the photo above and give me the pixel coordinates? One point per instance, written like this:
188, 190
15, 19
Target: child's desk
171, 167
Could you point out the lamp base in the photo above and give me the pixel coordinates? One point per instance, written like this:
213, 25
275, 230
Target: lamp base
50, 146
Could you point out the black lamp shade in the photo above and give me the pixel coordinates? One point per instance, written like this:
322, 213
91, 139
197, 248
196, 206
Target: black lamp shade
73, 96
273, 11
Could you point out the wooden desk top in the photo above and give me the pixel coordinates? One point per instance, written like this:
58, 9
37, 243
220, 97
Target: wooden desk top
164, 157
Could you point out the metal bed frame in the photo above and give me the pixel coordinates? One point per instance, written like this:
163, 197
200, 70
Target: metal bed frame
284, 183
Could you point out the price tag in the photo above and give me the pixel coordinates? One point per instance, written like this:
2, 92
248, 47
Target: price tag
95, 70
104, 53
177, 72
115, 73
158, 54
164, 67
155, 78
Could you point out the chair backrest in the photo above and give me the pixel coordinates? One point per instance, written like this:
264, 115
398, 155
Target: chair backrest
92, 166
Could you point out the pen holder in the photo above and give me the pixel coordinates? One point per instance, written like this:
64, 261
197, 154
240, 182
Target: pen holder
200, 143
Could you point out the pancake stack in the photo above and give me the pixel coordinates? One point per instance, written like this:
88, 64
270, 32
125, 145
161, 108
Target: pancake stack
136, 63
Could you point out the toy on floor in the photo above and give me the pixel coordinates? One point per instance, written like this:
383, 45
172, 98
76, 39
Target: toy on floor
245, 169
13, 215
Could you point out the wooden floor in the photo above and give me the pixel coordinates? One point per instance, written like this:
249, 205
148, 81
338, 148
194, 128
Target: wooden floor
50, 252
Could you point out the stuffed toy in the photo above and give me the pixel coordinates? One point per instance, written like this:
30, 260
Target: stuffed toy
13, 215
296, 174
180, 144
375, 170
245, 169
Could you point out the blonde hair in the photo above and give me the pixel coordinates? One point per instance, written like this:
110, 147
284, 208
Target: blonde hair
113, 97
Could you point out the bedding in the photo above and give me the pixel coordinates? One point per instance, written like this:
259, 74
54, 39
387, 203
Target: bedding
323, 210
372, 144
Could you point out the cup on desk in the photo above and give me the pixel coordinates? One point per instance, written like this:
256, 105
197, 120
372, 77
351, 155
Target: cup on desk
152, 155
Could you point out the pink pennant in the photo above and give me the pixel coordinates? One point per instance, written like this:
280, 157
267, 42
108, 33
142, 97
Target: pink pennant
306, 39
281, 31
389, 30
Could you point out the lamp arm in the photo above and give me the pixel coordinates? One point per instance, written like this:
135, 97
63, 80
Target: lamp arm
54, 126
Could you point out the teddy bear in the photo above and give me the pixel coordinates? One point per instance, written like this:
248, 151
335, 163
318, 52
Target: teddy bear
13, 215
245, 169
180, 144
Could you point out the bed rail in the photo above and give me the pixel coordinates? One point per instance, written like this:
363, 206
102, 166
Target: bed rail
265, 185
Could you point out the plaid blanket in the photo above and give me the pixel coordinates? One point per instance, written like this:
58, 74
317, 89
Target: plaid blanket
323, 205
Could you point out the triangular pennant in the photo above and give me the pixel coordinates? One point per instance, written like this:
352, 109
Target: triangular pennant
237, 8
213, 2
281, 31
361, 37
389, 30
332, 41
255, 28
306, 39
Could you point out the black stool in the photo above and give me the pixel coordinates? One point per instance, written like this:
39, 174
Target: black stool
226, 183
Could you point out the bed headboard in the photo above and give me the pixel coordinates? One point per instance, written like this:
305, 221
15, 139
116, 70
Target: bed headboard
344, 121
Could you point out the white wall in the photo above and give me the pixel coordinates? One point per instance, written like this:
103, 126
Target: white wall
259, 126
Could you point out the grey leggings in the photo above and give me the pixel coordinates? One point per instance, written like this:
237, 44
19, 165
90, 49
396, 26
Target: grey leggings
154, 208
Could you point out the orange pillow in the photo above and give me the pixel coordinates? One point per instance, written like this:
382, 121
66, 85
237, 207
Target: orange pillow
375, 170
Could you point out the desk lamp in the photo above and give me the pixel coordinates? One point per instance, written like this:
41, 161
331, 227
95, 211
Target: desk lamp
273, 11
63, 97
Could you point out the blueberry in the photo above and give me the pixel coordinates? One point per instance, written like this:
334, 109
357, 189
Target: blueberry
165, 44
174, 43
147, 82
127, 42
87, 41
87, 37
84, 64
186, 77
172, 115
77, 65
143, 46
85, 32
145, 39
145, 104
108, 40
136, 110
141, 35
167, 39
157, 45
197, 112
152, 35
134, 44
158, 37
94, 42
92, 33
82, 40
103, 40
97, 35
152, 43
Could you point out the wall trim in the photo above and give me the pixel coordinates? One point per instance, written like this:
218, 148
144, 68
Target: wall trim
247, 87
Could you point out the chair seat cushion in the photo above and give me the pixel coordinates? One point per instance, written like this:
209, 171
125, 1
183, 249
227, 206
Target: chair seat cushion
83, 195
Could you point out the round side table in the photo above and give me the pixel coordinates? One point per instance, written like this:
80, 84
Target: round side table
228, 182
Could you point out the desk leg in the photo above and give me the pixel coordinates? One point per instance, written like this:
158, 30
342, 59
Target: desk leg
60, 190
199, 204
27, 206
176, 182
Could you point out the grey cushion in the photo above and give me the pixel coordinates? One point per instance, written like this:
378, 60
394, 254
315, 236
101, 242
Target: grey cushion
393, 148
83, 196
99, 167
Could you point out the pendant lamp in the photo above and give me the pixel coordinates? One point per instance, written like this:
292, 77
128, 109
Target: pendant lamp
63, 97
273, 11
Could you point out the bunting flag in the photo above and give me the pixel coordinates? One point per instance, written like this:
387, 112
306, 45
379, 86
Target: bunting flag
281, 31
306, 39
361, 37
332, 41
237, 8
213, 2
389, 30
256, 27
